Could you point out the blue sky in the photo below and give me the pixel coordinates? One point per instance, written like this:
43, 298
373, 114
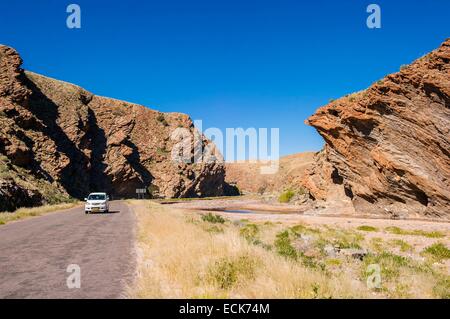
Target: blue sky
229, 63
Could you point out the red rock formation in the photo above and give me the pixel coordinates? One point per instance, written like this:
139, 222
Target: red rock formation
79, 142
388, 147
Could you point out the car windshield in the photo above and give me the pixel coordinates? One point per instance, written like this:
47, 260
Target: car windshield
97, 197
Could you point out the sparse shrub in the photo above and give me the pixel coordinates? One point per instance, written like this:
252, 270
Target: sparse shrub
302, 229
395, 230
213, 218
226, 272
416, 232
284, 247
377, 244
432, 234
344, 239
162, 119
286, 196
302, 191
403, 245
390, 264
310, 262
442, 288
403, 66
437, 251
162, 151
153, 191
367, 228
258, 242
249, 232
333, 262
214, 229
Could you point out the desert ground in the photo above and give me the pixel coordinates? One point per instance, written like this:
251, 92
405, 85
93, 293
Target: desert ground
195, 249
220, 248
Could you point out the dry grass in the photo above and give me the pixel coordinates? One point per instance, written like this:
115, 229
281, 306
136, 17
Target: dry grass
182, 255
32, 212
180, 259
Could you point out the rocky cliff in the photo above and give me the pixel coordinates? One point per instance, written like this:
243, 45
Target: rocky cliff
58, 140
388, 148
248, 178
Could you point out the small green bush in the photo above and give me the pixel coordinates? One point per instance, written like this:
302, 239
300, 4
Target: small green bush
367, 228
213, 218
403, 245
333, 262
302, 229
416, 232
286, 196
226, 272
284, 247
437, 251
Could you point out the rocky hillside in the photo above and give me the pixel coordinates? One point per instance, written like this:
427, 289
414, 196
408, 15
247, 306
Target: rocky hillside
248, 178
58, 140
388, 148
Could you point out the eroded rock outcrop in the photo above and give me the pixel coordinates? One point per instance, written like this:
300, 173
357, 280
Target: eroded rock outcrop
78, 142
388, 148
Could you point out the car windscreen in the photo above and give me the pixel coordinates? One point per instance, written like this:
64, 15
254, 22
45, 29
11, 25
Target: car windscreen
96, 197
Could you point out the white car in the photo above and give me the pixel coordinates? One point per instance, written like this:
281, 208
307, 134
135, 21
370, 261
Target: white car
96, 202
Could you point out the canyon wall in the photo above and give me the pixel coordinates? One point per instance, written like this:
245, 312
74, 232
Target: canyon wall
388, 148
59, 140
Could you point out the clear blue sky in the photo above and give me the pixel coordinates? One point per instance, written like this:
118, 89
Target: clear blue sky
229, 63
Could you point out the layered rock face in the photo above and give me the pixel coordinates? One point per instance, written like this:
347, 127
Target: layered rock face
76, 142
388, 148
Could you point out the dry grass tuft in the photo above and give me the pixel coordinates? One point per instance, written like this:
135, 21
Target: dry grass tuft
22, 213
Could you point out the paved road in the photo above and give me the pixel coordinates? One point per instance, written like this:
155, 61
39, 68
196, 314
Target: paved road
35, 254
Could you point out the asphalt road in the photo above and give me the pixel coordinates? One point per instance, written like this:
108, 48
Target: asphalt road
35, 254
